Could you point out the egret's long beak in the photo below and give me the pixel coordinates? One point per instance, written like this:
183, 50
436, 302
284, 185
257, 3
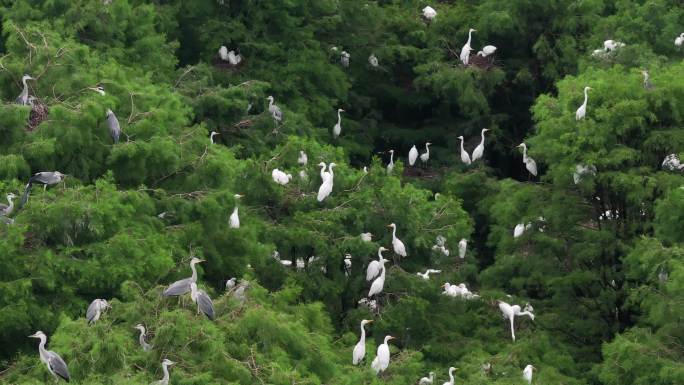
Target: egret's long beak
392, 338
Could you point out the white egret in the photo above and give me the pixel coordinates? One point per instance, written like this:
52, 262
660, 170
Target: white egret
462, 247
427, 380
599, 53
275, 111
6, 209
611, 45
429, 13
183, 286
390, 165
223, 53
327, 186
478, 152
141, 338
165, 368
465, 158
679, 40
582, 110
397, 244
424, 157
451, 376
530, 164
338, 126
55, 364
519, 230
510, 312
413, 155
324, 174
382, 358
379, 283
360, 347
487, 50
344, 59
527, 373
303, 158
373, 60
234, 59
303, 175
647, 82
203, 301
426, 275
460, 290
95, 310
280, 177
374, 267
23, 97
366, 237
465, 51
212, 135
234, 218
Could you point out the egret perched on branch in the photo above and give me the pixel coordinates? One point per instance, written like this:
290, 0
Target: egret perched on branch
465, 158
23, 97
390, 165
510, 312
465, 51
487, 50
397, 244
183, 286
611, 45
478, 152
429, 13
382, 357
223, 53
520, 229
338, 126
234, 218
165, 368
212, 135
679, 40
527, 373
6, 209
647, 82
275, 111
344, 59
360, 347
427, 380
114, 127
413, 155
451, 376
303, 158
55, 364
327, 186
366, 237
95, 310
374, 267
141, 338
379, 283
373, 61
424, 157
324, 174
582, 110
280, 177
530, 164
462, 247
426, 275
202, 300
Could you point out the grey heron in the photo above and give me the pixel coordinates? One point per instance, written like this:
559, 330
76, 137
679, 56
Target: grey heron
230, 284
347, 264
672, 163
202, 300
99, 89
337, 130
141, 338
23, 97
582, 110
275, 111
55, 364
424, 157
165, 368
95, 310
478, 152
114, 127
647, 81
6, 210
530, 164
465, 51
183, 286
413, 155
44, 177
239, 292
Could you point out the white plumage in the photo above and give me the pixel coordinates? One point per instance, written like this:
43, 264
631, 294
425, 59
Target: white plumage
397, 244
382, 358
462, 247
424, 157
582, 110
413, 155
478, 152
429, 13
374, 267
465, 51
327, 186
465, 158
280, 177
530, 164
360, 347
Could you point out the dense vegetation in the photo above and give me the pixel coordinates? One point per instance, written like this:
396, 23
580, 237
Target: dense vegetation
602, 262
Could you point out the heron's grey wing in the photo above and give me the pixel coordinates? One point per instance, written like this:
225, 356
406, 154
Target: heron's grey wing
92, 311
205, 304
277, 113
114, 127
3, 207
178, 288
58, 366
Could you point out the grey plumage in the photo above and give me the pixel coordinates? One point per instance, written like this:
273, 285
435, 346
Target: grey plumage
46, 178
55, 364
23, 97
114, 127
183, 286
95, 310
202, 300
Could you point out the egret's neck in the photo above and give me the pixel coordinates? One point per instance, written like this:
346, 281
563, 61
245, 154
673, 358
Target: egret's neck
363, 334
427, 148
142, 336
330, 170
339, 117
586, 96
166, 373
235, 210
482, 135
394, 232
10, 201
470, 35
23, 80
391, 157
270, 103
462, 149
451, 376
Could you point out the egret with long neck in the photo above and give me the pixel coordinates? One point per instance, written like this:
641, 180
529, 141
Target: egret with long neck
478, 152
465, 158
465, 51
360, 348
338, 127
582, 110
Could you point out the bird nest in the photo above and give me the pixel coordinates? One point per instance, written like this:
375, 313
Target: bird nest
483, 63
419, 172
220, 64
39, 112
